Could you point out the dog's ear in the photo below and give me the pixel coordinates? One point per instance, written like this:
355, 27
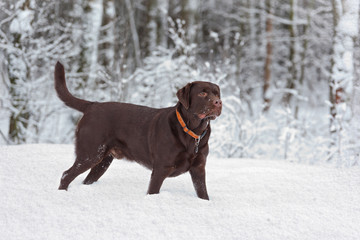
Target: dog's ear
184, 95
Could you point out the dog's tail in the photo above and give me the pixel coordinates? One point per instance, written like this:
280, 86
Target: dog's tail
63, 92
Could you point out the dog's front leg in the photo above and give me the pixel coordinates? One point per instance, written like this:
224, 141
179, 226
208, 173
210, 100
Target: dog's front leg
197, 174
158, 176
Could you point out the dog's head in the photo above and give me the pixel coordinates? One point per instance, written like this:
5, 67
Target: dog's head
202, 99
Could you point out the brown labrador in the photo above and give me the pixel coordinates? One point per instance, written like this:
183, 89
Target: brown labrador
169, 141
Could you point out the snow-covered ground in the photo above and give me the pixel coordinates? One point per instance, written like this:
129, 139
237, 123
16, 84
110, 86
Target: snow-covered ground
250, 199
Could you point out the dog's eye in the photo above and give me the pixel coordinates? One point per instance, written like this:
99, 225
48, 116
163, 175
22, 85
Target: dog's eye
202, 94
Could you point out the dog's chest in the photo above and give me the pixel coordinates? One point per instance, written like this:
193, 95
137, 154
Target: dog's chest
183, 164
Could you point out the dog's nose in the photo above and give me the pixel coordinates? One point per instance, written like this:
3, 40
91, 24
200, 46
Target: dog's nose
217, 102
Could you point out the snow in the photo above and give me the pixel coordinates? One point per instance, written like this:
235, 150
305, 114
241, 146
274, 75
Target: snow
349, 21
249, 199
214, 35
22, 22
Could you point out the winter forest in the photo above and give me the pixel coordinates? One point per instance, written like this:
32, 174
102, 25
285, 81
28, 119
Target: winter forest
289, 71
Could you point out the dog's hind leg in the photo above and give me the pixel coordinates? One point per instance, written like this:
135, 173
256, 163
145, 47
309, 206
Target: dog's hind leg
81, 165
97, 171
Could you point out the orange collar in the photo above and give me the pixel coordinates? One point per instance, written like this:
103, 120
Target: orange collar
188, 131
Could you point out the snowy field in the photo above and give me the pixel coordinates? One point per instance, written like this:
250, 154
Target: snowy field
249, 199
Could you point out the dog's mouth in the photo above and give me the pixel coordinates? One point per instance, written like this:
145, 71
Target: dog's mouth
210, 114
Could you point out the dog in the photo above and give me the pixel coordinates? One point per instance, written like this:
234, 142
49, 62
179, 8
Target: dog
168, 141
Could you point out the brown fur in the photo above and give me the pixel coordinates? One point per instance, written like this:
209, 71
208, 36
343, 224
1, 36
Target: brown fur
149, 136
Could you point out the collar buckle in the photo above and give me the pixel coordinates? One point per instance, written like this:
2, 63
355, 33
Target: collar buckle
197, 142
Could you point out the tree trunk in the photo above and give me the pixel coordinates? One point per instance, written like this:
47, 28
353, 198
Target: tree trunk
105, 54
152, 26
290, 84
88, 57
267, 68
304, 51
163, 22
189, 8
134, 34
